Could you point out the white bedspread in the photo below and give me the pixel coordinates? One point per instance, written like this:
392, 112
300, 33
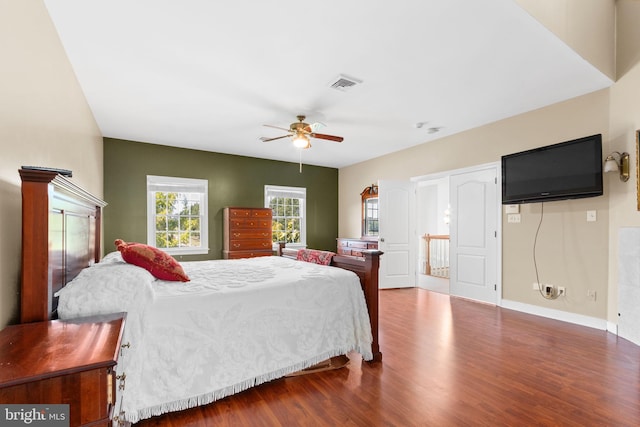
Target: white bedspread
236, 324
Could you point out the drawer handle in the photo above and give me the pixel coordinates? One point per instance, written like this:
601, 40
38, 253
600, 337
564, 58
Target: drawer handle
236, 245
120, 419
122, 378
123, 346
236, 234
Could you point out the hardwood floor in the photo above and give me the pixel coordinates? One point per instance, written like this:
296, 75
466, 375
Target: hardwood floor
451, 362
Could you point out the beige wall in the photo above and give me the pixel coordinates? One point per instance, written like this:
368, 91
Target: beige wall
564, 258
44, 121
628, 36
587, 26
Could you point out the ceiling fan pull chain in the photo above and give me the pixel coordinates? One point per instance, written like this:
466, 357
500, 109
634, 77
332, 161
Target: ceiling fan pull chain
300, 152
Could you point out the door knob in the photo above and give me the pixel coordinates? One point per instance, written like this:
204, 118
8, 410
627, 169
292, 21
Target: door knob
382, 239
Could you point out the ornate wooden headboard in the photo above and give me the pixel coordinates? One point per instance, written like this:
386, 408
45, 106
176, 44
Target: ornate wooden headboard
60, 236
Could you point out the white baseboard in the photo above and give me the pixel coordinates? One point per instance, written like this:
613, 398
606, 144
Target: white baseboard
565, 316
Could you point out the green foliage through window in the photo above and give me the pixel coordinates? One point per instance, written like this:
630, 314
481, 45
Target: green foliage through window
286, 219
177, 219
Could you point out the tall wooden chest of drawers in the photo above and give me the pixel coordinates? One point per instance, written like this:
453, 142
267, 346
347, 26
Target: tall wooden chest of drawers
247, 233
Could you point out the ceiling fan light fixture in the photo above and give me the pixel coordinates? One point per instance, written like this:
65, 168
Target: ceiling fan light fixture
301, 141
301, 134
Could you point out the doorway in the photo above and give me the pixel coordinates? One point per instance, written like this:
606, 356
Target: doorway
461, 207
432, 223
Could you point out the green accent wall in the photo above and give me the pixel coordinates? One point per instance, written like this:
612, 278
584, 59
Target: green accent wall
233, 181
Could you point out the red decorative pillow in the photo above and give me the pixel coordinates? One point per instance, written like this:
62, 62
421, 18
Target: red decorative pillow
157, 262
315, 256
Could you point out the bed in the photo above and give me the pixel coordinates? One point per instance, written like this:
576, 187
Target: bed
196, 342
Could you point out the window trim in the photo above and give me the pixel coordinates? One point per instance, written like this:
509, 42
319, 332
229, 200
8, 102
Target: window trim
297, 192
177, 184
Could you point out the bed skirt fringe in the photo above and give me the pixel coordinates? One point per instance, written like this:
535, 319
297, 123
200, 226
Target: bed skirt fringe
203, 399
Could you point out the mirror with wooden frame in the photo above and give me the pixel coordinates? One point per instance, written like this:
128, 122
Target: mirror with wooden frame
370, 212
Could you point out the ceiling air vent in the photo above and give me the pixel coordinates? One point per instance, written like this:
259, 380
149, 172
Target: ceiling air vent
344, 83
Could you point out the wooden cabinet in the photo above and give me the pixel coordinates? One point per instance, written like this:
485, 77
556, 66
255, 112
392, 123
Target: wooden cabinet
354, 247
63, 362
247, 233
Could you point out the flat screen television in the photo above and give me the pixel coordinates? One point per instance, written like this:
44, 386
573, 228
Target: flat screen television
568, 170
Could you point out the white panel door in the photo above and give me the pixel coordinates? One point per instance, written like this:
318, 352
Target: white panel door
473, 235
396, 215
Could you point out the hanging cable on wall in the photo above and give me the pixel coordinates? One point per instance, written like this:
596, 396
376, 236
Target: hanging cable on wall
544, 295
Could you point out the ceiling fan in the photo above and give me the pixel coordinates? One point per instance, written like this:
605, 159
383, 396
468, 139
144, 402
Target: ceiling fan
301, 133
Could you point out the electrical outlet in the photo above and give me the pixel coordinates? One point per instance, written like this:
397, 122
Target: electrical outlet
591, 295
562, 291
536, 286
548, 290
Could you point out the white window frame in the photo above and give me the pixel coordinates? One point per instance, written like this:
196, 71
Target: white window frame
295, 192
168, 184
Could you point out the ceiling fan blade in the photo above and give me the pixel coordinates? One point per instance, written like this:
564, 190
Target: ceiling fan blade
327, 137
278, 127
317, 125
265, 139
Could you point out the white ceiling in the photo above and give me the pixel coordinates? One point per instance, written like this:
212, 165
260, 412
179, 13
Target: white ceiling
208, 74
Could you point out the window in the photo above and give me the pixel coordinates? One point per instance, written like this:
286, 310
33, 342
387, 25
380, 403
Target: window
177, 215
289, 211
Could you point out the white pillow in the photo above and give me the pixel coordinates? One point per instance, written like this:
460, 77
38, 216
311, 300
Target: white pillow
111, 257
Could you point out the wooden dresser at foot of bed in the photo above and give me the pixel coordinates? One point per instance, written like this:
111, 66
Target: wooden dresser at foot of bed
354, 247
247, 233
63, 362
